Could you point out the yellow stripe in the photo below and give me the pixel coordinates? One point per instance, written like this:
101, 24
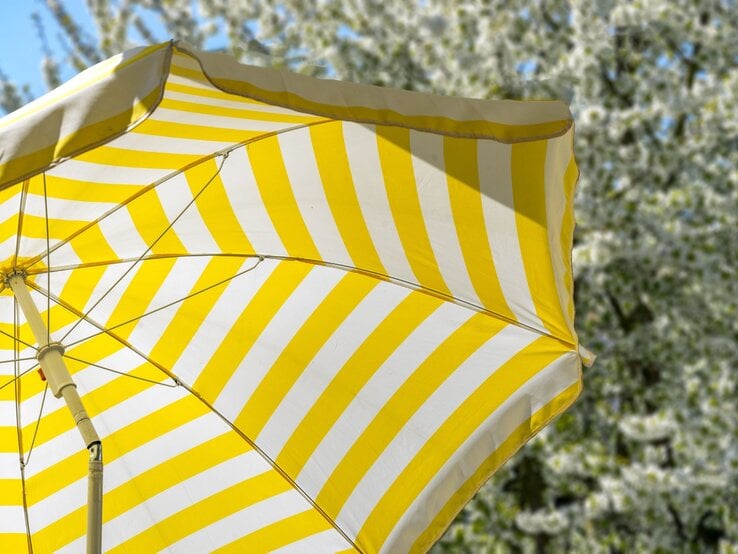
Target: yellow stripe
335, 174
302, 348
452, 433
276, 193
279, 534
528, 165
31, 385
245, 331
567, 233
395, 413
462, 169
199, 132
510, 446
86, 191
206, 512
10, 489
124, 157
215, 209
399, 180
34, 227
8, 437
151, 221
183, 71
144, 486
14, 542
355, 373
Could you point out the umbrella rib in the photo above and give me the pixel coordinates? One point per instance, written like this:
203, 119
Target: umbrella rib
48, 263
224, 152
165, 306
19, 429
72, 267
374, 274
24, 359
21, 213
212, 408
149, 247
16, 339
38, 424
18, 376
124, 374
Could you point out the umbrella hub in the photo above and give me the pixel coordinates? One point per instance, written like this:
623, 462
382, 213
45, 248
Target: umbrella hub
54, 345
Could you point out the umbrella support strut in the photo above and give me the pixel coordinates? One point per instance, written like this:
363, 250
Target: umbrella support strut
61, 384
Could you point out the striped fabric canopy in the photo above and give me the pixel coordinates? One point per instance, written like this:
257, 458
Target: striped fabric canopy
305, 315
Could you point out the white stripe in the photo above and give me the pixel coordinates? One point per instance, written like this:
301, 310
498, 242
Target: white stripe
7, 247
9, 461
439, 406
558, 153
121, 234
223, 315
65, 210
527, 400
175, 195
246, 202
433, 193
102, 173
366, 172
166, 145
242, 523
275, 337
320, 543
219, 121
307, 188
186, 81
185, 493
495, 183
12, 520
319, 373
238, 103
377, 391
9, 207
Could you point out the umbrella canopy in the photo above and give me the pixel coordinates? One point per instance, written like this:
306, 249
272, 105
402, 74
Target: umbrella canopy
303, 315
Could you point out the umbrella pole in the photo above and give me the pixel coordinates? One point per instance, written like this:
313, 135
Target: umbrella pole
60, 382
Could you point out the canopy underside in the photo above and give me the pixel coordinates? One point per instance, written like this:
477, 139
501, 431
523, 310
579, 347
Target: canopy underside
328, 334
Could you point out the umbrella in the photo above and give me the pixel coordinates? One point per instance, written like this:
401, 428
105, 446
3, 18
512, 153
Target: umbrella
297, 315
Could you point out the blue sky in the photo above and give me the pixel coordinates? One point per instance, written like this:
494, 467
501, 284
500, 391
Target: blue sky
21, 51
20, 48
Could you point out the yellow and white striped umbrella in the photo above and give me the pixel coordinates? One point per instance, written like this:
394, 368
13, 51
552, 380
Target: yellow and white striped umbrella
304, 315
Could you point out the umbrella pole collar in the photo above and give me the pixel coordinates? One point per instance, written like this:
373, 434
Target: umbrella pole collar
49, 355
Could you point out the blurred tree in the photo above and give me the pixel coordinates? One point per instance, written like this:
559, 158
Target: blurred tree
647, 460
